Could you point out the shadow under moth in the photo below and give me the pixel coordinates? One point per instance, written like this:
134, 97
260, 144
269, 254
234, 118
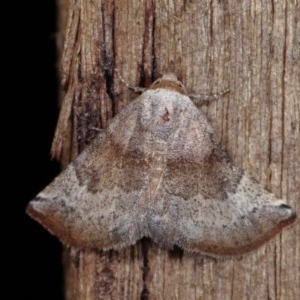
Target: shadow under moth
157, 171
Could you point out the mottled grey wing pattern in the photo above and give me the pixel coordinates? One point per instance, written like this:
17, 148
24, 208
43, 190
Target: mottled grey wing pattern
157, 171
204, 203
94, 203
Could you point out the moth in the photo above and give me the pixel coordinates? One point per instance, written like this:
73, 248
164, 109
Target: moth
157, 171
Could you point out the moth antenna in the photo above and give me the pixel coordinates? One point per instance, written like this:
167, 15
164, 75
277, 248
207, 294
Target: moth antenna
135, 89
97, 129
204, 99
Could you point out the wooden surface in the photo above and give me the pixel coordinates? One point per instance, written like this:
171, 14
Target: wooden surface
252, 47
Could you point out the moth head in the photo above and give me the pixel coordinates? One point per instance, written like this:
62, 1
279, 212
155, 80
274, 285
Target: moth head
169, 81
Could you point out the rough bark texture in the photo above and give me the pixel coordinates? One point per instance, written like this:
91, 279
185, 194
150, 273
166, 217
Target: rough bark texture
252, 47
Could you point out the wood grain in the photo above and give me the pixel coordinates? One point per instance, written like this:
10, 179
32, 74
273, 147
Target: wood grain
252, 47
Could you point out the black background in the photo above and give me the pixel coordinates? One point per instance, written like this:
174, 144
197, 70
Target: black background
29, 111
